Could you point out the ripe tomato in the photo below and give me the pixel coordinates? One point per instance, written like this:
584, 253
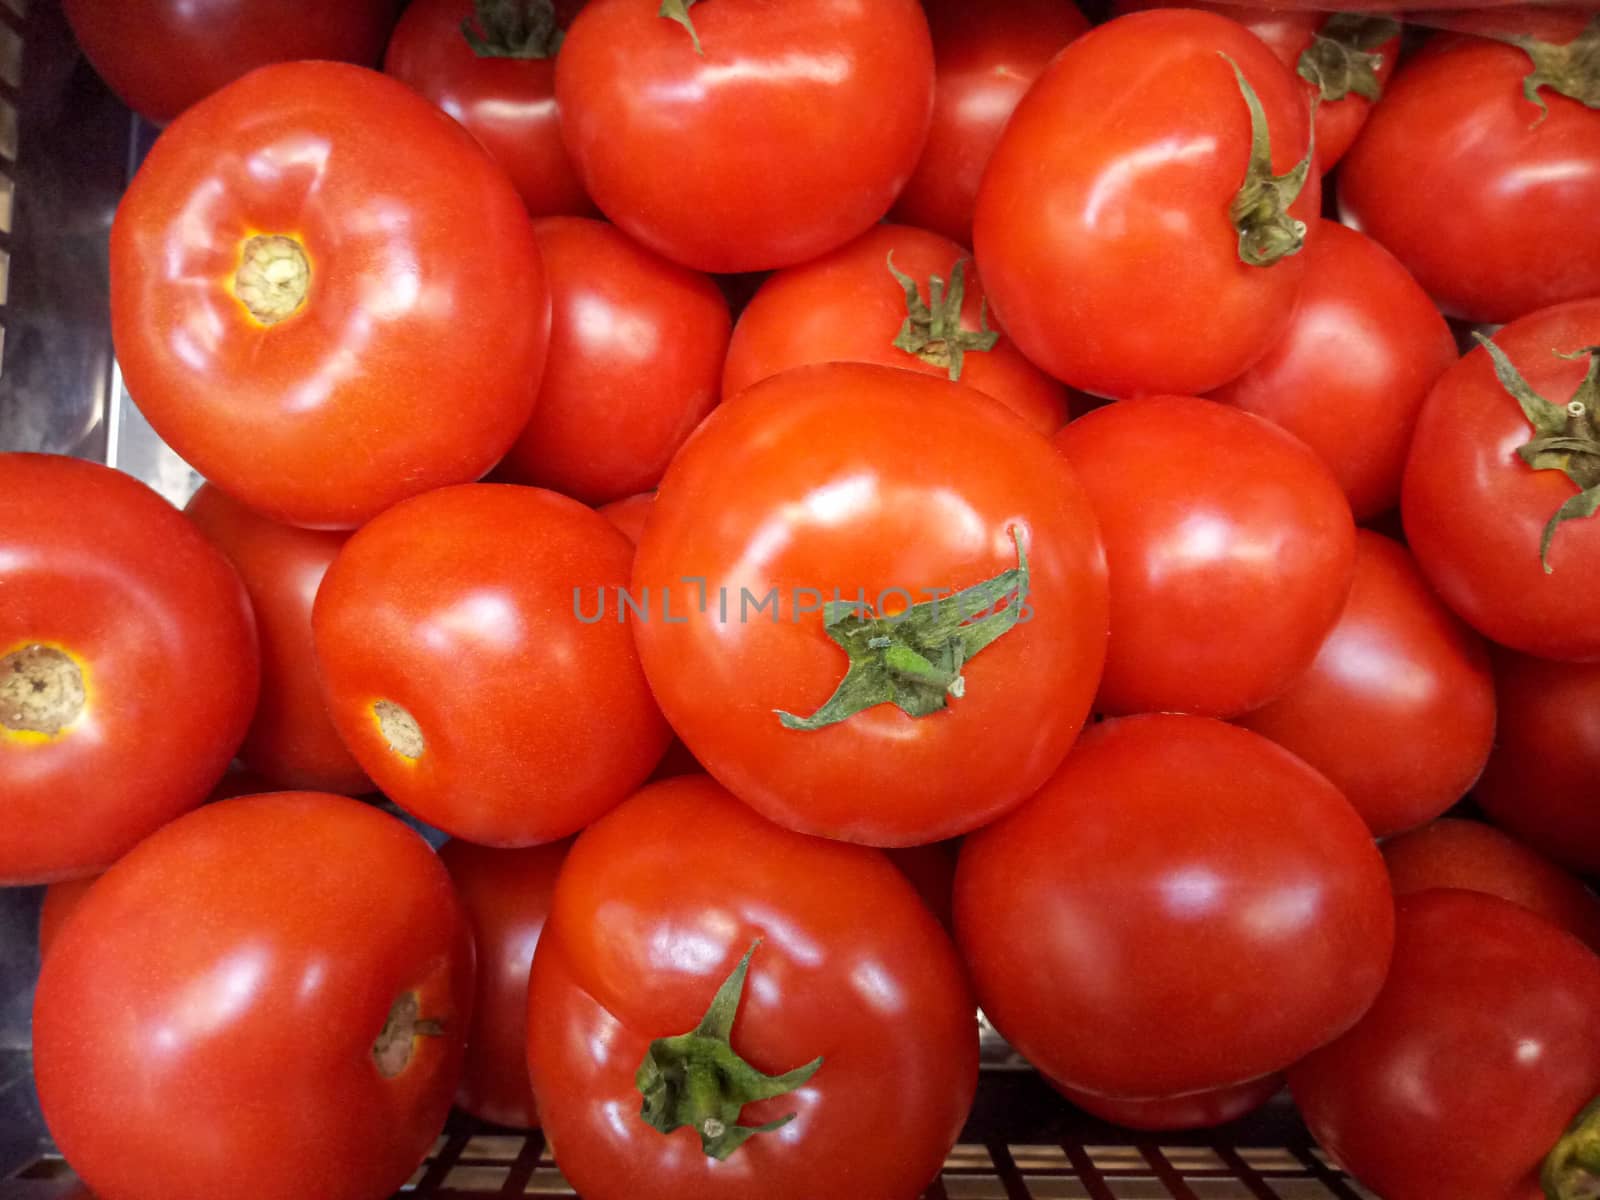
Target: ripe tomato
220, 1009
503, 88
718, 139
464, 672
1540, 781
636, 350
128, 666
161, 56
507, 897
326, 296
932, 871
851, 306
985, 58
1398, 708
1231, 552
788, 544
291, 740
869, 1021
1480, 1049
1351, 372
629, 514
1491, 532
61, 900
1184, 906
1197, 1110
1109, 207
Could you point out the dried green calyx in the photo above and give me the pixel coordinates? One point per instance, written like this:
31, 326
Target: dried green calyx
1260, 210
678, 10
1343, 59
932, 330
1571, 69
513, 29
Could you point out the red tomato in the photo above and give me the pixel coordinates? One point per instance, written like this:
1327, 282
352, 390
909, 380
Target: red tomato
291, 739
1476, 512
1105, 214
932, 871
636, 350
1486, 200
507, 897
753, 134
849, 306
465, 671
1480, 1049
1185, 906
61, 900
985, 58
128, 666
1197, 1110
326, 296
1351, 372
1230, 547
1540, 783
1398, 708
871, 489
503, 89
161, 56
871, 1020
629, 514
220, 1008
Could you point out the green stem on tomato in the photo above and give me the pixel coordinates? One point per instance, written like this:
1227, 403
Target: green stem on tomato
1260, 210
1572, 1170
932, 329
1343, 58
678, 10
513, 29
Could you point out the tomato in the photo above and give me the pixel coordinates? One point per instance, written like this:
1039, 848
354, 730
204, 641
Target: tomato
985, 58
636, 350
220, 1008
1351, 372
932, 871
1505, 544
1398, 708
868, 1023
128, 666
1485, 199
629, 514
1104, 214
1197, 1110
464, 669
1540, 783
503, 89
1480, 1049
507, 897
1231, 552
718, 139
852, 306
871, 490
161, 56
61, 900
1184, 906
325, 295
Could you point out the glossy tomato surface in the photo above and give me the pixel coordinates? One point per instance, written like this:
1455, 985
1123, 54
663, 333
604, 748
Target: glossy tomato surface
1231, 552
635, 948
326, 296
1104, 213
60, 901
216, 1011
467, 673
870, 486
1197, 1110
722, 147
629, 514
128, 666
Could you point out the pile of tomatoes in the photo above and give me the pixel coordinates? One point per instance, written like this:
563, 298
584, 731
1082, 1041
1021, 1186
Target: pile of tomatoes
805, 628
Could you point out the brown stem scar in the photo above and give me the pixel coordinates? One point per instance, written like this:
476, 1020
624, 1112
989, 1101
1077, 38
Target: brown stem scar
41, 690
392, 1050
400, 729
274, 277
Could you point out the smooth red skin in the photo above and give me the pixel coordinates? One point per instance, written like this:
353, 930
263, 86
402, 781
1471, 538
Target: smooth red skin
509, 104
1488, 206
1198, 1110
629, 514
1398, 709
61, 900
1231, 551
213, 1001
96, 564
1474, 512
1479, 1051
291, 739
1350, 373
1104, 211
636, 946
415, 358
847, 477
636, 350
731, 160
847, 307
985, 58
1184, 906
506, 894
161, 56
1543, 779
461, 607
